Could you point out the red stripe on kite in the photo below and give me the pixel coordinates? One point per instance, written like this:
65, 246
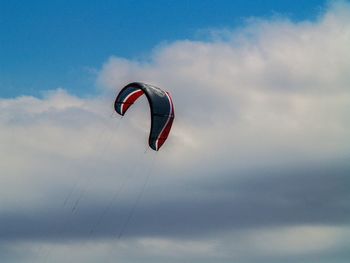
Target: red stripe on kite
164, 134
130, 99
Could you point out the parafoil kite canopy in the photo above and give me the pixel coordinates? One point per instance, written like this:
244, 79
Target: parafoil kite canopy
161, 105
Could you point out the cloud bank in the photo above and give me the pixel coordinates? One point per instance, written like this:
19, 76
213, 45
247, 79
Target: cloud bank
255, 170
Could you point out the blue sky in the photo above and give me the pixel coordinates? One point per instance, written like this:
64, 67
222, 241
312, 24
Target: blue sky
51, 44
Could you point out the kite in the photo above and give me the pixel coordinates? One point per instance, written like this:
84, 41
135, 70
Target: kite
161, 106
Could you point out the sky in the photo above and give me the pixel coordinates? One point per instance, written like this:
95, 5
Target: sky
50, 44
256, 167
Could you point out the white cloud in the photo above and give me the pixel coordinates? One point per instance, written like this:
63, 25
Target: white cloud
273, 93
295, 240
275, 86
270, 245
